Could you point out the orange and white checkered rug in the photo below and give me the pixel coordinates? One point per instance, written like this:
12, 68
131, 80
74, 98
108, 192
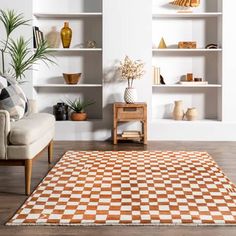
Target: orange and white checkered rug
113, 188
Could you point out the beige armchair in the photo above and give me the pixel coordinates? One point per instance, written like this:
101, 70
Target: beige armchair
23, 140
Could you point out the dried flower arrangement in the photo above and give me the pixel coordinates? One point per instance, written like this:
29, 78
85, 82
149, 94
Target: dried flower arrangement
131, 70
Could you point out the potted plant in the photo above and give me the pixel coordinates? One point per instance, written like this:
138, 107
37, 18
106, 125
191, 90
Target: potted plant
131, 70
18, 53
78, 108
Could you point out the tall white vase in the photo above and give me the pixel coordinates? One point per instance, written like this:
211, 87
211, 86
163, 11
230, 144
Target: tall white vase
130, 95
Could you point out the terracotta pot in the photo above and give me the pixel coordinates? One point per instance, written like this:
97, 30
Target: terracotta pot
78, 116
191, 114
178, 112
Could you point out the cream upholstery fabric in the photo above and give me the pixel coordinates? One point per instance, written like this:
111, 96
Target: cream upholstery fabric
4, 131
25, 138
30, 151
32, 107
30, 129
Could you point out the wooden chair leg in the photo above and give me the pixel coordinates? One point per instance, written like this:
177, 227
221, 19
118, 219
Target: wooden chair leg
50, 152
28, 174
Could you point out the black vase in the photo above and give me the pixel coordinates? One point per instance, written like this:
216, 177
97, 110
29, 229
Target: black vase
60, 111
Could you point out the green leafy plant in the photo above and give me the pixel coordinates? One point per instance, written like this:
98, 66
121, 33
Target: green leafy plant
21, 57
77, 105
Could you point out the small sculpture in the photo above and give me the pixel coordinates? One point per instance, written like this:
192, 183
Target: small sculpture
186, 3
91, 44
162, 44
211, 46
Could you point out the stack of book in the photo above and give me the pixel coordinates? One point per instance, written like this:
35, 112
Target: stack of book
131, 134
37, 36
156, 75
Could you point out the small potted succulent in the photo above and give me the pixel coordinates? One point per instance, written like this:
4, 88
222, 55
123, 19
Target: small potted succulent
78, 108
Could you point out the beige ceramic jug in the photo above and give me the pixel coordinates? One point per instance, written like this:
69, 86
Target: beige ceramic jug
178, 112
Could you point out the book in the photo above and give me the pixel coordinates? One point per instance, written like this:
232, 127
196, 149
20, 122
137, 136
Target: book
156, 75
38, 37
131, 134
35, 41
41, 38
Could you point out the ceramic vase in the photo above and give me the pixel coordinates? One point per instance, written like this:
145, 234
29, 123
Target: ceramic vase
130, 95
191, 114
178, 112
66, 35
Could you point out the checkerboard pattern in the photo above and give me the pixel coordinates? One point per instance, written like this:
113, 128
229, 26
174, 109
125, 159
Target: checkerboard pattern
112, 188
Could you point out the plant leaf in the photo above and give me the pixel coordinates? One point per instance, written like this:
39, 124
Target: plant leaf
22, 58
11, 20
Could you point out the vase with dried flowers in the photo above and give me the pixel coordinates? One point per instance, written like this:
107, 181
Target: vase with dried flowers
131, 70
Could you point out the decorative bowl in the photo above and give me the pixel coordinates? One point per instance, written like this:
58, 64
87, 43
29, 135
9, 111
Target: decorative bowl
72, 78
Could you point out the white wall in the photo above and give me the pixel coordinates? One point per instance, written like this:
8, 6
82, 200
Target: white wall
127, 31
25, 7
124, 33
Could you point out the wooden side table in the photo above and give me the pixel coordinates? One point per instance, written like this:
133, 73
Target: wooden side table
123, 112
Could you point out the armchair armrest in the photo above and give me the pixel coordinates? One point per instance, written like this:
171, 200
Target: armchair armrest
32, 107
4, 131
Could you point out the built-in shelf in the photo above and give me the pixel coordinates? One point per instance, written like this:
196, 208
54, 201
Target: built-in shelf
66, 85
75, 49
172, 121
68, 15
187, 86
70, 122
187, 15
186, 50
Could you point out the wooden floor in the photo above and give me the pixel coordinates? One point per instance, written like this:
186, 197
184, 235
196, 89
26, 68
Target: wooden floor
12, 191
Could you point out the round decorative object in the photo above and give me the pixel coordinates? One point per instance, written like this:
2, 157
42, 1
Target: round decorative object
191, 114
78, 116
178, 112
130, 95
72, 78
91, 44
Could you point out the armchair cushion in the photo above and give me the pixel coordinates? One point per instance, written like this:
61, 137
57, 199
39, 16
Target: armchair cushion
31, 128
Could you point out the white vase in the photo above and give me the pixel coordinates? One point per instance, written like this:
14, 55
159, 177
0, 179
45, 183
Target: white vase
130, 95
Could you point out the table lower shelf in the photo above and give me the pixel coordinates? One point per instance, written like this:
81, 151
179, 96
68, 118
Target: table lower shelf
140, 137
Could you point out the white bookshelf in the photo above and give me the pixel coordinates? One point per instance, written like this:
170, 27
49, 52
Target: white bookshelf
67, 86
185, 122
180, 86
86, 21
76, 49
177, 50
187, 15
68, 15
203, 25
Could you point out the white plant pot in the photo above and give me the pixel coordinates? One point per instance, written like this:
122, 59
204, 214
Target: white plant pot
130, 95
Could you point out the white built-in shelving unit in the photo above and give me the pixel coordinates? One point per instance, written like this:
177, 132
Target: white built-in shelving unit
85, 18
203, 25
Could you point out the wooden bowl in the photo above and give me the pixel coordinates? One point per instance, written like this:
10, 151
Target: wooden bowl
72, 78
